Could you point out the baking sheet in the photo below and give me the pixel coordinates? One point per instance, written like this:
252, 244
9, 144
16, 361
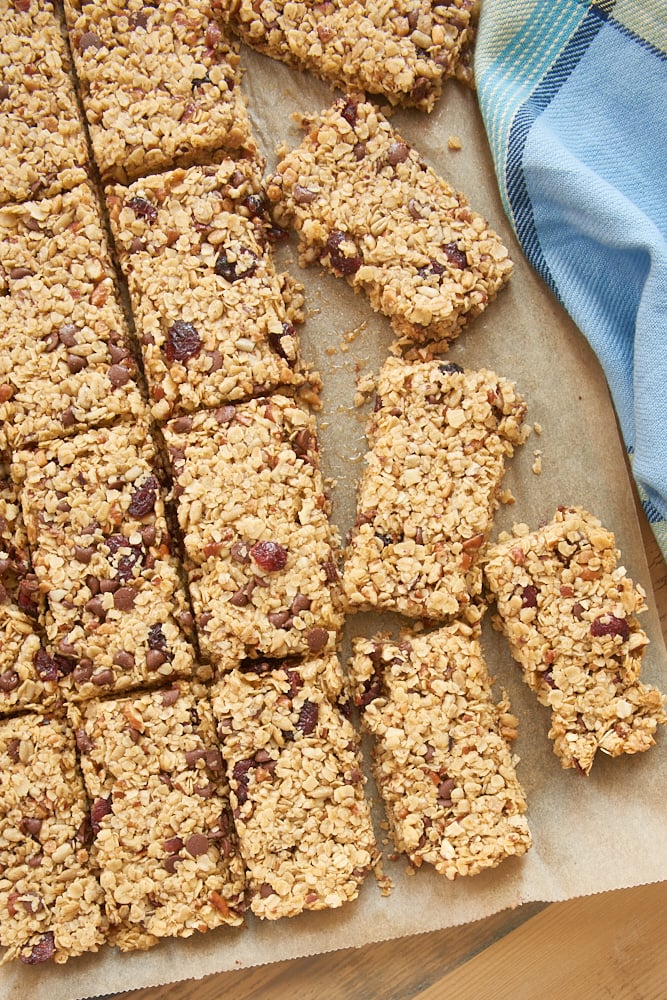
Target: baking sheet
591, 834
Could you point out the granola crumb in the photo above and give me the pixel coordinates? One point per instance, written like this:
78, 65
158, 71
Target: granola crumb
454, 143
537, 464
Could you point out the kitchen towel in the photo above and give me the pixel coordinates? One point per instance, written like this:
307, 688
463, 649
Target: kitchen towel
573, 94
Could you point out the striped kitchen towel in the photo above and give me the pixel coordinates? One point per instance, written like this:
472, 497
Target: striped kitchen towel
573, 94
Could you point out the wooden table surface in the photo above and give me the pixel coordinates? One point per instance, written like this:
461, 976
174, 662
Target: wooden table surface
609, 946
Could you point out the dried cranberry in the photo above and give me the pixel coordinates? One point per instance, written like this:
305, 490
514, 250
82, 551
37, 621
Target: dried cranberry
372, 689
235, 270
456, 257
308, 717
276, 343
256, 205
529, 596
143, 209
610, 625
269, 556
42, 951
99, 809
45, 666
183, 342
349, 112
27, 590
156, 637
339, 261
144, 498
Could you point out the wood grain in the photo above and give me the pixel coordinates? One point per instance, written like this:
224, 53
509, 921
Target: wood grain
610, 946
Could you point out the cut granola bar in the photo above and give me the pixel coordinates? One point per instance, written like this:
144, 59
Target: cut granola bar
260, 551
65, 363
50, 898
94, 512
441, 757
401, 50
438, 439
214, 319
162, 830
159, 84
367, 207
41, 134
294, 769
569, 612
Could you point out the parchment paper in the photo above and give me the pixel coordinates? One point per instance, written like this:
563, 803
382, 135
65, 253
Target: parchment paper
592, 834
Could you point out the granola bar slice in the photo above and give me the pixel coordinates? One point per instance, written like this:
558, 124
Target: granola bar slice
438, 439
159, 84
161, 822
214, 319
367, 207
402, 51
261, 553
294, 769
50, 897
441, 756
115, 606
41, 133
65, 360
569, 612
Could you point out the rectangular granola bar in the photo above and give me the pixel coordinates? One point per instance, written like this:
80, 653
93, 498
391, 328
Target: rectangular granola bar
441, 757
294, 769
25, 667
569, 610
160, 816
159, 84
50, 898
65, 360
367, 207
438, 439
41, 134
94, 511
214, 319
402, 50
261, 552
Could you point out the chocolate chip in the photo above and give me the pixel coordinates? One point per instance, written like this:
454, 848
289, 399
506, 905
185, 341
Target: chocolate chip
170, 696
197, 844
82, 672
300, 603
124, 598
118, 376
317, 639
124, 659
89, 40
103, 678
9, 680
76, 364
83, 554
95, 606
154, 659
225, 414
398, 152
303, 196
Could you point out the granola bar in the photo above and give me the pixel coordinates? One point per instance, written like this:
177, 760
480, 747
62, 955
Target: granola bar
403, 50
94, 512
437, 439
294, 769
65, 362
159, 84
569, 611
50, 897
160, 816
260, 551
214, 319
441, 757
367, 207
41, 134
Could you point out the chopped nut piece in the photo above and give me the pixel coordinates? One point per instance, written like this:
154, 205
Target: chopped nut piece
569, 613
